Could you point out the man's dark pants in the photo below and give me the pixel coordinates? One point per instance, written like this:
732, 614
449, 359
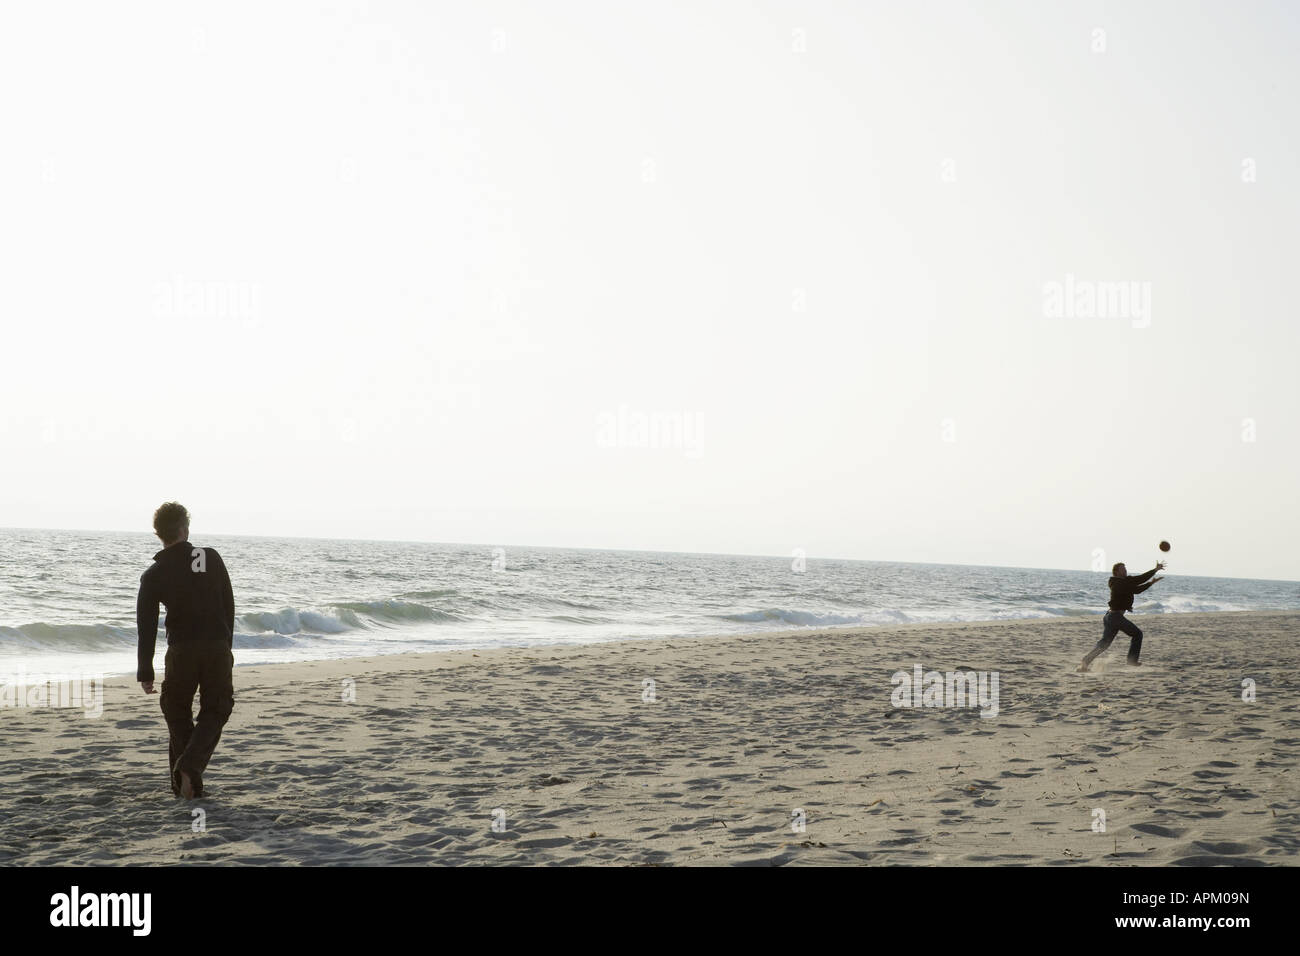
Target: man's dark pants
205, 666
1112, 624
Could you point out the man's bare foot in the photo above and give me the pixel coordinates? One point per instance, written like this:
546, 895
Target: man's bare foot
187, 786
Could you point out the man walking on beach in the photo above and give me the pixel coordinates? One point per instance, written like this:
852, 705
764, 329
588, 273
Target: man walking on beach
1122, 590
193, 585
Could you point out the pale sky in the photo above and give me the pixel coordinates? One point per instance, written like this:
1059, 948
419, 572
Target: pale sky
417, 271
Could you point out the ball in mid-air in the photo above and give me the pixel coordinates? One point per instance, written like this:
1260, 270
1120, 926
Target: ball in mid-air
1164, 545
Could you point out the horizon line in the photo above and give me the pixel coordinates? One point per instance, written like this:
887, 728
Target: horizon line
720, 554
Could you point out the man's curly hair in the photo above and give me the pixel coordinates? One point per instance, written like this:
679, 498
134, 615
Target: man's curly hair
170, 520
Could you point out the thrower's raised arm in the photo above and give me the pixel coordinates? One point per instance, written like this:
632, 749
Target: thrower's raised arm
1139, 578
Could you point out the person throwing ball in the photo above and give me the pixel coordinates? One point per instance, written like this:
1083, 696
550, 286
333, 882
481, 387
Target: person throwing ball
1122, 590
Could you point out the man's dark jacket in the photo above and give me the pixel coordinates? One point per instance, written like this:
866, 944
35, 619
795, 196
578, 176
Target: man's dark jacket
200, 603
1123, 589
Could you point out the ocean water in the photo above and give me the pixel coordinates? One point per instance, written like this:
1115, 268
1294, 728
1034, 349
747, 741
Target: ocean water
67, 598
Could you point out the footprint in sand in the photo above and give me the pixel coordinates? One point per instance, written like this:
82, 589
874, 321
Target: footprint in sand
1222, 849
1155, 829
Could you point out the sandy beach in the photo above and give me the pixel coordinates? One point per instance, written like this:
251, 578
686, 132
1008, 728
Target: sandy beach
781, 748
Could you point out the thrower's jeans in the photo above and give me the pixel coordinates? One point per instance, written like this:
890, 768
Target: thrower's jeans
1112, 624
